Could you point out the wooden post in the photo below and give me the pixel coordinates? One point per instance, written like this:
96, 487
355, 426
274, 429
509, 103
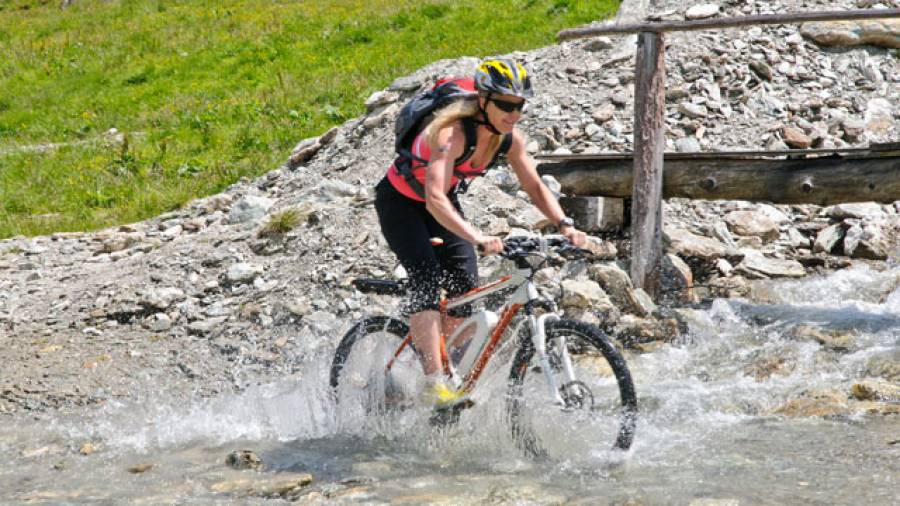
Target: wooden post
649, 141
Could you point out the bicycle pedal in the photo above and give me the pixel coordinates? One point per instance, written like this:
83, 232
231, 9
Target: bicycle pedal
448, 415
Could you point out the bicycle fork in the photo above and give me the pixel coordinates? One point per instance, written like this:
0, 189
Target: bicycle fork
539, 340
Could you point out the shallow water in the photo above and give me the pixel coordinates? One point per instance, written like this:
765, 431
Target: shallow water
705, 431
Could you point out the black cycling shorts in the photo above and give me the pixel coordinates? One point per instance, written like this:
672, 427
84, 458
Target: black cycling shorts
408, 228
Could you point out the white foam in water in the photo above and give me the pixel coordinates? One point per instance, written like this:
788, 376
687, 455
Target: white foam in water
859, 286
285, 410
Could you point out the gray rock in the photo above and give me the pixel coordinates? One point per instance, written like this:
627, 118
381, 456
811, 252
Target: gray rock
598, 44
613, 280
244, 460
380, 99
604, 113
161, 298
701, 11
687, 245
595, 214
406, 83
752, 223
582, 294
687, 145
724, 267
158, 322
641, 303
865, 241
677, 280
242, 273
250, 209
796, 239
552, 184
755, 264
795, 138
879, 117
692, 110
828, 238
882, 33
858, 210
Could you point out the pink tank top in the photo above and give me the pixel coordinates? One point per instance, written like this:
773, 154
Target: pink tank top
421, 149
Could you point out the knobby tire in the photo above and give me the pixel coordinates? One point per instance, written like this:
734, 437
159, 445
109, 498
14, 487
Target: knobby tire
524, 435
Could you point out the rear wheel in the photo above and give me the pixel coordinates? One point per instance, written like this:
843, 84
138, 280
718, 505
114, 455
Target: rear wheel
359, 378
592, 408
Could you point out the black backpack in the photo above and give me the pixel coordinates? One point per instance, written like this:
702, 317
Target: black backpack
418, 113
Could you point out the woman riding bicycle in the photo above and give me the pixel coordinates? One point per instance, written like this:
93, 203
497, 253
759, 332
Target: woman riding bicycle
409, 221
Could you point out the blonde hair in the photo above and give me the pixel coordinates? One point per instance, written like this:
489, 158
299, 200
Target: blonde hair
454, 112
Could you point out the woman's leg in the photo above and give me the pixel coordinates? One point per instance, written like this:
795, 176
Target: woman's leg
425, 329
407, 228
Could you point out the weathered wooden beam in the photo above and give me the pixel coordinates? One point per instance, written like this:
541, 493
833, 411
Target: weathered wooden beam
649, 143
884, 148
715, 23
822, 181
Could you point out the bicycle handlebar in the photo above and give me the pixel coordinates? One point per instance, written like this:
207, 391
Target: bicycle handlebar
519, 246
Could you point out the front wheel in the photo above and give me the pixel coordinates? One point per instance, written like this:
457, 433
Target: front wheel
360, 379
594, 403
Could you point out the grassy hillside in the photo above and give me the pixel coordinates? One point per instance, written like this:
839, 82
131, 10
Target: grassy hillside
207, 92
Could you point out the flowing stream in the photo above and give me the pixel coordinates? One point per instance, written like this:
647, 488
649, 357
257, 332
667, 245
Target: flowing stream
710, 429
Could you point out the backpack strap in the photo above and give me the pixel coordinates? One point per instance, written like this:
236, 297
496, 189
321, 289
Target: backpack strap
404, 161
470, 130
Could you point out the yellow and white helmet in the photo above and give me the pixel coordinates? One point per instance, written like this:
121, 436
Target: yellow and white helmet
504, 77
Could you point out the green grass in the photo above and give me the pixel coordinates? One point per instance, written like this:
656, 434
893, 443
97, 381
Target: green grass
209, 92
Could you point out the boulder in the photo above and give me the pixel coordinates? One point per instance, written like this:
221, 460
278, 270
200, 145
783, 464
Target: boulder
280, 485
640, 302
879, 117
815, 403
828, 238
584, 294
796, 138
885, 365
602, 250
688, 245
614, 281
858, 210
604, 113
243, 460
755, 264
687, 145
865, 241
833, 340
242, 273
380, 99
249, 209
161, 298
633, 330
595, 214
701, 11
876, 32
751, 223
730, 287
875, 390
677, 279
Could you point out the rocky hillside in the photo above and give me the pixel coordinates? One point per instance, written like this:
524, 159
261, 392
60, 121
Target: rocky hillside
247, 284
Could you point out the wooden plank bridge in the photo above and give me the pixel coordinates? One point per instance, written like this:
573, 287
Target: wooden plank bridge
840, 176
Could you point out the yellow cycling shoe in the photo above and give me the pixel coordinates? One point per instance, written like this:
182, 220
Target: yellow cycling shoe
440, 395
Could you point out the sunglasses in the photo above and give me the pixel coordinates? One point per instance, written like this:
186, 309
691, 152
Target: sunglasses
505, 106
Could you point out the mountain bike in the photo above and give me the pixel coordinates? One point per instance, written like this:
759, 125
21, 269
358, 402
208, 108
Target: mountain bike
567, 380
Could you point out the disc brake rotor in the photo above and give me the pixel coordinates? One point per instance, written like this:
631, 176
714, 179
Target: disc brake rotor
577, 396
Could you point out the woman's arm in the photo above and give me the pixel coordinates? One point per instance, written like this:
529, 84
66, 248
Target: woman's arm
540, 195
438, 174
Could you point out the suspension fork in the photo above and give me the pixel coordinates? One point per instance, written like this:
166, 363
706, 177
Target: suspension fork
539, 341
